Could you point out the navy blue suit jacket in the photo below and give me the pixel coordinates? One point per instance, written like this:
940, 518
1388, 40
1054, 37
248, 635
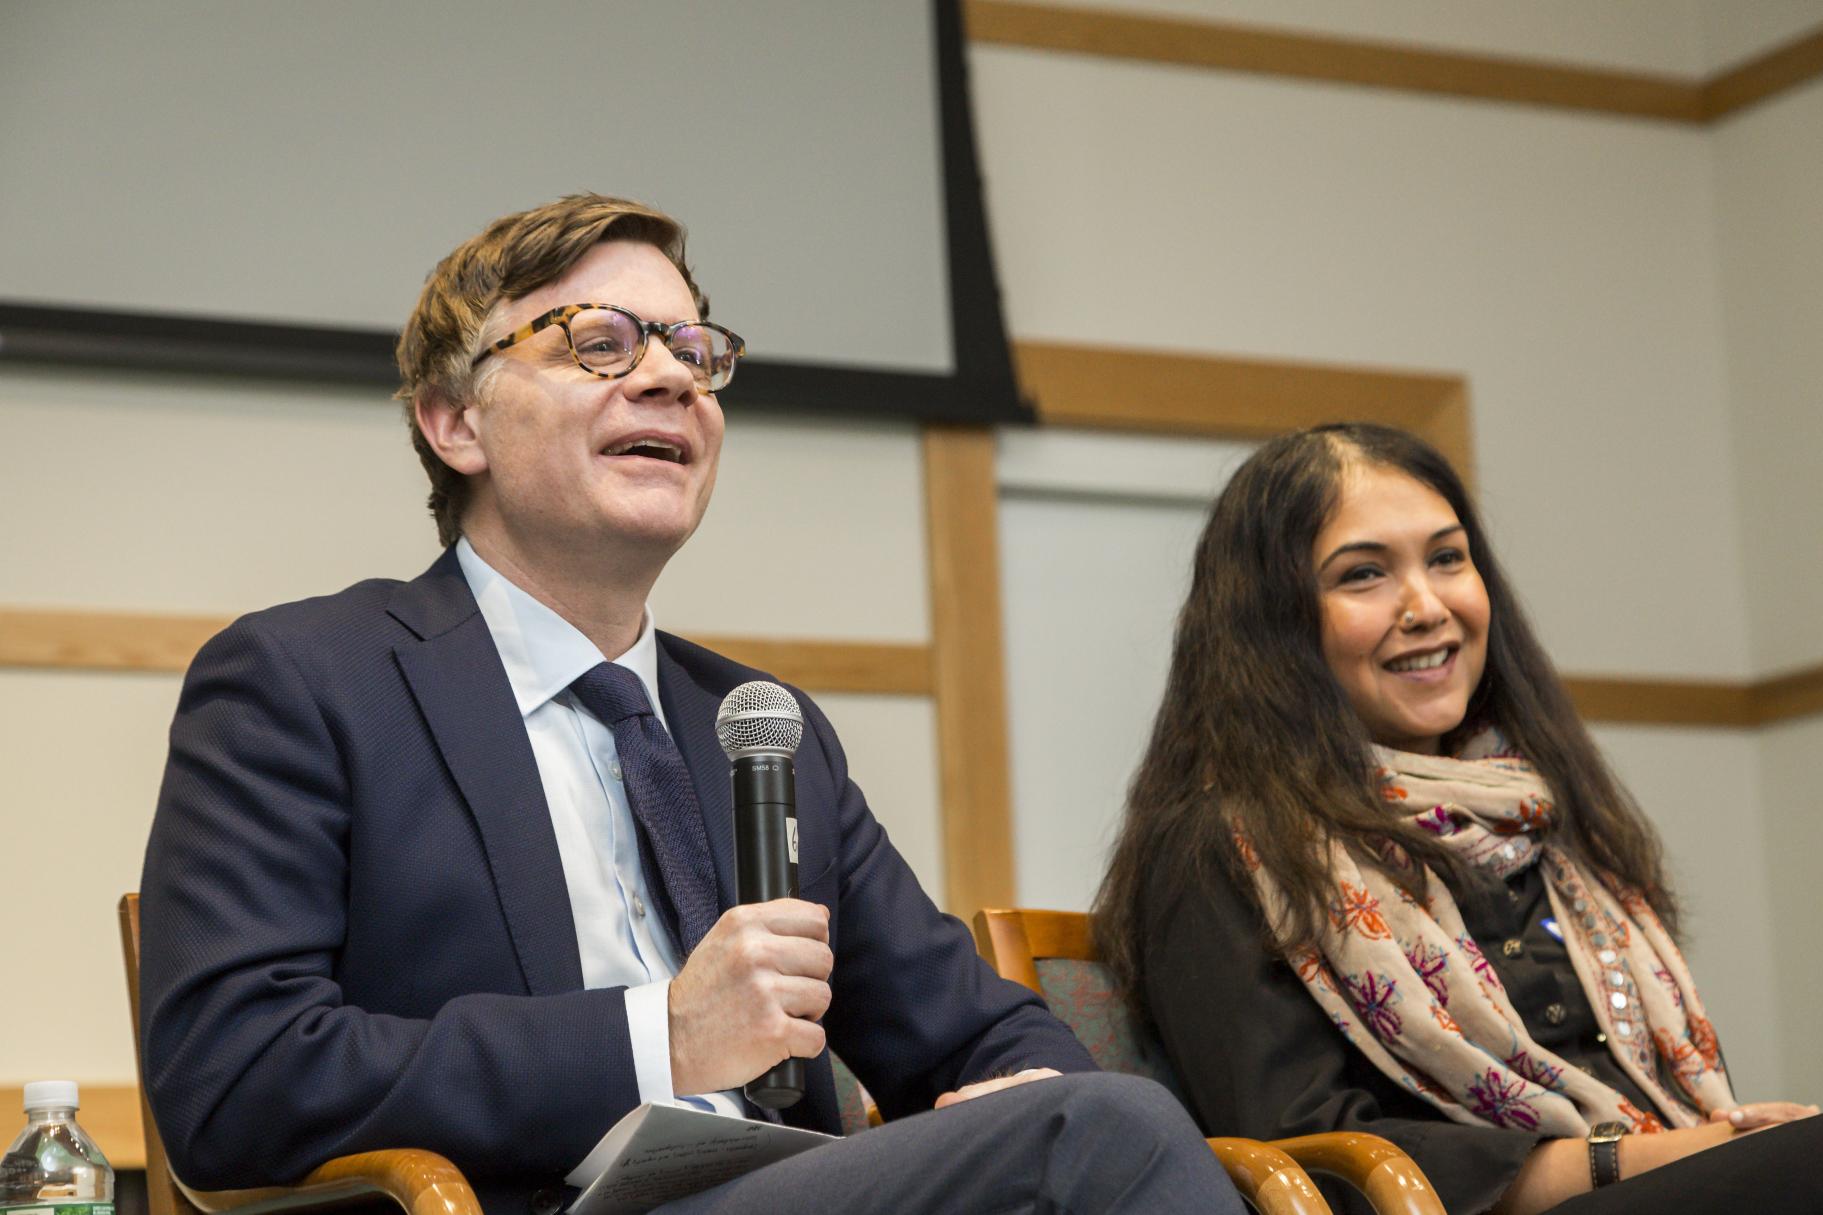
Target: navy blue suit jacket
356, 933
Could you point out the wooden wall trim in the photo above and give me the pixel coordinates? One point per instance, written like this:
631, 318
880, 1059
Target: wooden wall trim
1763, 702
140, 641
1782, 68
878, 667
1390, 65
1122, 388
1784, 697
110, 1113
1662, 702
969, 666
1337, 60
102, 641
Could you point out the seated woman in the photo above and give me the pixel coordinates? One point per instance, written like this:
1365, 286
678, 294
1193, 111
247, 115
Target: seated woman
1374, 875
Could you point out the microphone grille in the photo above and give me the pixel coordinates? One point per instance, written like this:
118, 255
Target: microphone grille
759, 717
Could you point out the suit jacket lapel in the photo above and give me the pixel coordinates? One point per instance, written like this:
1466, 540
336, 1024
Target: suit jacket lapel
456, 676
690, 715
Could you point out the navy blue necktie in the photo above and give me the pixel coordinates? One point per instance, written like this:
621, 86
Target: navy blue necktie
661, 794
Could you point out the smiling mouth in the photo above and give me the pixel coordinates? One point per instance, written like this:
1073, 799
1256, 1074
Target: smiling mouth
1429, 660
650, 449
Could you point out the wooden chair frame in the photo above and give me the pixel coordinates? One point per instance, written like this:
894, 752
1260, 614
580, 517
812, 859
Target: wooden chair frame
424, 1183
1269, 1175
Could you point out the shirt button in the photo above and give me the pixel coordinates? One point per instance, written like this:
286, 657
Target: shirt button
1556, 1014
614, 769
1512, 947
1512, 895
1602, 1038
639, 907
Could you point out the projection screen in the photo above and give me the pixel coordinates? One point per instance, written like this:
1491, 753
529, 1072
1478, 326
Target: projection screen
259, 188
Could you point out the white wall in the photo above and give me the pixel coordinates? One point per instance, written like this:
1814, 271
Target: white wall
1737, 30
1768, 171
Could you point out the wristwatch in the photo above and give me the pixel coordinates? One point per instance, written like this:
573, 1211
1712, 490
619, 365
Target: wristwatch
1604, 1152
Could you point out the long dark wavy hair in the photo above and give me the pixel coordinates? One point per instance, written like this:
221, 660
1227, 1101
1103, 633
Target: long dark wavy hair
1255, 733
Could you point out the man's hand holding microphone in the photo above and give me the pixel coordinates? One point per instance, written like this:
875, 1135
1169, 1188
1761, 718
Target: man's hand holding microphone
744, 1010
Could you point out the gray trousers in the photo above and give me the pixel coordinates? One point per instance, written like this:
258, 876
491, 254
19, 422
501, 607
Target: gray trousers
1078, 1144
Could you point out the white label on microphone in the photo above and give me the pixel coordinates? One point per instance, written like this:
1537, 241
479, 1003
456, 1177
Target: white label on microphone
791, 838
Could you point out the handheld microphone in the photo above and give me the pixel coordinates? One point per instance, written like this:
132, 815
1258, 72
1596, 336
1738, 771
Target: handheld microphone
760, 726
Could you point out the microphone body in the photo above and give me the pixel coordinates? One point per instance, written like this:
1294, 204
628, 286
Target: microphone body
765, 828
760, 739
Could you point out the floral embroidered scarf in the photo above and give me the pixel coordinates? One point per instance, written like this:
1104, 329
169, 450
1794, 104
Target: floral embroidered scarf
1407, 985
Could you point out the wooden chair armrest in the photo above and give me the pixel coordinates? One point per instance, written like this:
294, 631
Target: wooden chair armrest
1392, 1181
423, 1183
1268, 1178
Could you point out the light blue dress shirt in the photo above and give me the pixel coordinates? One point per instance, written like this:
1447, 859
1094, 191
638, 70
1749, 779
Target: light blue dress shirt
619, 931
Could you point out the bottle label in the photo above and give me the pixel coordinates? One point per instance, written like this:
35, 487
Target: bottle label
16, 1172
52, 1207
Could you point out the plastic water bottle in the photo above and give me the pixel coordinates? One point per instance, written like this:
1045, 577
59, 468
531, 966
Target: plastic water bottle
53, 1167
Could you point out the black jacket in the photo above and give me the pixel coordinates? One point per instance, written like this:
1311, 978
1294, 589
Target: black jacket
1258, 1057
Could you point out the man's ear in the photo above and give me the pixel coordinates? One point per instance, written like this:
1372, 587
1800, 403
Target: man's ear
446, 427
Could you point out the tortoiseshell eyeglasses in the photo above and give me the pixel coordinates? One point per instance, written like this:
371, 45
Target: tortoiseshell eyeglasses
608, 340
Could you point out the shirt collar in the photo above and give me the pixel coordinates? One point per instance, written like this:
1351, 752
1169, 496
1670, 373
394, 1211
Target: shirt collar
543, 653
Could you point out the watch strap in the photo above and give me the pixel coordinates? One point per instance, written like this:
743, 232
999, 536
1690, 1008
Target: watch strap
1604, 1153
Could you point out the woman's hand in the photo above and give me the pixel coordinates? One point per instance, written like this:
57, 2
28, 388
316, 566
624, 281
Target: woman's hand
1558, 1169
1758, 1115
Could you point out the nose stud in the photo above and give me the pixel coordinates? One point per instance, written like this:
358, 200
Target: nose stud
1407, 619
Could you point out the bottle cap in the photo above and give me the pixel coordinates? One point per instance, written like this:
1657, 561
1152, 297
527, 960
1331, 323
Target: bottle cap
51, 1095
